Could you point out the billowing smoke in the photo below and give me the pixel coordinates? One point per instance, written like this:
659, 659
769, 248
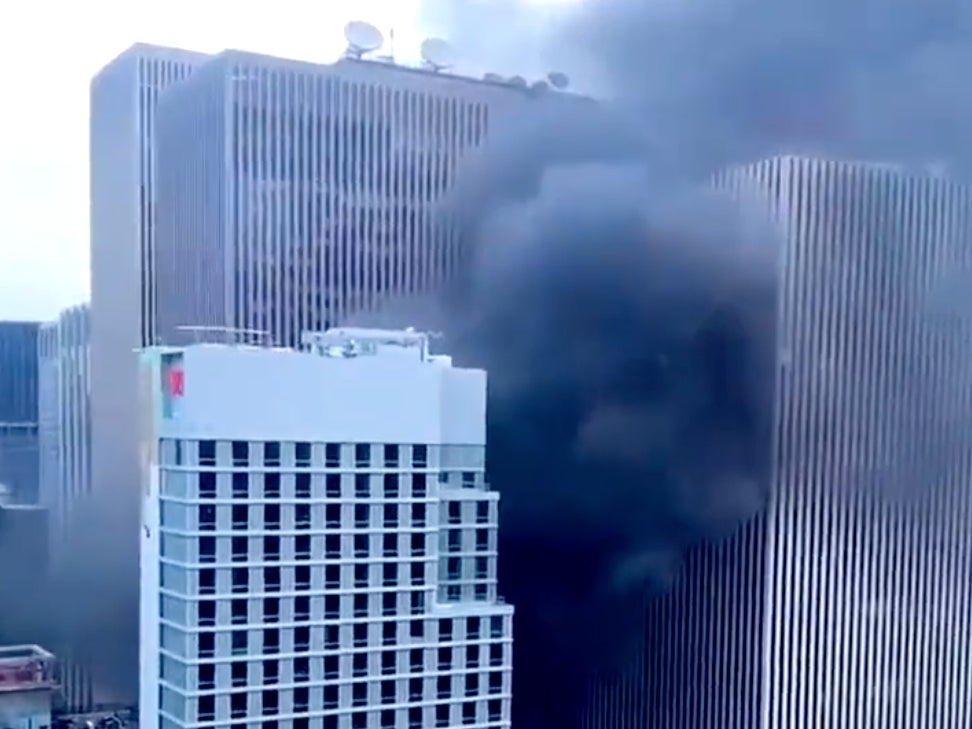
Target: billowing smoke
625, 316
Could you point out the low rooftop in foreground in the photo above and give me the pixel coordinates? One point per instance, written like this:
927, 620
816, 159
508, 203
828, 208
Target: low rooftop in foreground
26, 668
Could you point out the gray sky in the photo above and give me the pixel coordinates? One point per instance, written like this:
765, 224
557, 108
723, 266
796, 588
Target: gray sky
50, 49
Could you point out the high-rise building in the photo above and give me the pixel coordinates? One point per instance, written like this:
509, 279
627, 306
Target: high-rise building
123, 167
844, 603
292, 195
18, 409
319, 543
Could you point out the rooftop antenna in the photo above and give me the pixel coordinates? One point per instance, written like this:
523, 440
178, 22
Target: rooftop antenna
558, 80
362, 38
437, 54
390, 56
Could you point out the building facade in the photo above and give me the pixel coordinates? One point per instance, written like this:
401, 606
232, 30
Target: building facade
843, 603
18, 409
319, 543
27, 686
293, 195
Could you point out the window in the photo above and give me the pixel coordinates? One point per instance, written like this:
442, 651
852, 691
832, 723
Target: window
332, 486
469, 713
391, 516
362, 516
302, 516
416, 661
302, 577
445, 659
359, 694
207, 708
332, 546
480, 591
301, 638
387, 719
331, 637
207, 453
453, 568
332, 576
418, 573
271, 640
360, 633
207, 518
472, 684
360, 606
241, 579
207, 676
455, 540
388, 666
207, 613
418, 515
331, 667
207, 582
362, 486
239, 642
496, 654
301, 670
495, 682
443, 687
238, 674
271, 516
388, 603
389, 633
332, 515
482, 512
207, 645
271, 672
415, 717
302, 486
418, 603
240, 549
442, 715
271, 579
239, 612
271, 485
416, 689
332, 607
271, 610
359, 721
207, 549
453, 593
496, 626
472, 656
271, 454
389, 545
472, 628
330, 697
302, 455
388, 692
419, 486
302, 547
420, 456
332, 455
269, 703
391, 455
241, 486
455, 512
482, 539
301, 608
301, 695
391, 485
494, 710
482, 568
418, 545
361, 545
271, 548
468, 479
241, 453
362, 455
416, 629
359, 665
241, 516
361, 575
207, 485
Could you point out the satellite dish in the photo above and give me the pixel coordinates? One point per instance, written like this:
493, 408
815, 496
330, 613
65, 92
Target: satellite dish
538, 87
558, 80
517, 81
437, 54
493, 77
362, 38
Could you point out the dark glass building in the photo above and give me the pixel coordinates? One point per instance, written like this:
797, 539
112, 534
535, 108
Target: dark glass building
18, 410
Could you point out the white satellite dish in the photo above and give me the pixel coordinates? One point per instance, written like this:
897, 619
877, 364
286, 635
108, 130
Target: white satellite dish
558, 80
362, 38
517, 81
493, 77
437, 54
538, 87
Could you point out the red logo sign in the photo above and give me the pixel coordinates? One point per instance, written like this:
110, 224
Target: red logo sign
177, 382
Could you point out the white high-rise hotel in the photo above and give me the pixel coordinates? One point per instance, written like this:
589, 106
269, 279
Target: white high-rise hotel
319, 544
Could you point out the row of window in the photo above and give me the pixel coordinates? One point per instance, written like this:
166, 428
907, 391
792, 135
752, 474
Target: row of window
243, 485
244, 453
440, 714
359, 576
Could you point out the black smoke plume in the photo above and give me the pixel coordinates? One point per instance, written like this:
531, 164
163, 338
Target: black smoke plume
625, 316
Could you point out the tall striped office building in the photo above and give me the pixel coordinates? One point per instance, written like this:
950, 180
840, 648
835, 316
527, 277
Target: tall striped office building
292, 195
847, 603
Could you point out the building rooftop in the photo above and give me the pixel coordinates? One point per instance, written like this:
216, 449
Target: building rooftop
26, 668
